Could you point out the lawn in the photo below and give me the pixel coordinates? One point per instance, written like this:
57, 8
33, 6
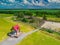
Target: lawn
54, 19
51, 18
6, 23
39, 38
4, 26
5, 15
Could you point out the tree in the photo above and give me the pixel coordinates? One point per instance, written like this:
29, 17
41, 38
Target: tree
20, 15
58, 14
44, 17
33, 14
24, 20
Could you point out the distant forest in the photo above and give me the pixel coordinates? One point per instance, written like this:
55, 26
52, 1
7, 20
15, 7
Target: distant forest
33, 12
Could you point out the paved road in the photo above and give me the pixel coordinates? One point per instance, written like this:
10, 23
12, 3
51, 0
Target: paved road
14, 41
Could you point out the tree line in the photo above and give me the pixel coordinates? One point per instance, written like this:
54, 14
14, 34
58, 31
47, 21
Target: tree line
34, 12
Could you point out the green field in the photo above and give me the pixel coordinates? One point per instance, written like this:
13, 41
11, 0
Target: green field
6, 24
52, 18
39, 38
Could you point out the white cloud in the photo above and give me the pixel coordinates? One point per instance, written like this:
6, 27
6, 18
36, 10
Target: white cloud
57, 1
3, 3
41, 4
11, 0
33, 2
27, 2
38, 3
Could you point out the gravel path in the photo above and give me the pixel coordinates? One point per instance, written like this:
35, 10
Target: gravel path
51, 25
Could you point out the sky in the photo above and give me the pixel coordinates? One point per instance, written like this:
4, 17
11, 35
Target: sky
38, 4
57, 1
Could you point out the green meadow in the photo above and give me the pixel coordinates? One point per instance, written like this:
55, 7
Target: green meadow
6, 24
39, 38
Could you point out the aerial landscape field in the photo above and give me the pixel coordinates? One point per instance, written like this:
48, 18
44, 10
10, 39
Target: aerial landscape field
29, 21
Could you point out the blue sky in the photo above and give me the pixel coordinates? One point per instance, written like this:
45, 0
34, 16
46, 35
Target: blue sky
29, 4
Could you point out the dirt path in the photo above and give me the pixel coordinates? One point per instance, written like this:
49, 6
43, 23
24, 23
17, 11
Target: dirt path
51, 25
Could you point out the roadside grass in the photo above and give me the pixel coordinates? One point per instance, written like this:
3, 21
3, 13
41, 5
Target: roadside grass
55, 35
6, 24
39, 38
5, 15
51, 18
54, 19
24, 27
4, 28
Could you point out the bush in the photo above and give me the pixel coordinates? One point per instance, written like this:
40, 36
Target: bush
48, 30
24, 20
44, 17
32, 21
20, 15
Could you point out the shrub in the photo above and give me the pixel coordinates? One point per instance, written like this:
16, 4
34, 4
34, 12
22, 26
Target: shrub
44, 17
25, 20
32, 21
48, 30
20, 15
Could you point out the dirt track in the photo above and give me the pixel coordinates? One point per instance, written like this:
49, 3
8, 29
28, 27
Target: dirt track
51, 25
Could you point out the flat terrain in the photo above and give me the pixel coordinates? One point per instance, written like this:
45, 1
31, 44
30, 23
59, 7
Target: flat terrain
39, 38
6, 24
43, 37
51, 25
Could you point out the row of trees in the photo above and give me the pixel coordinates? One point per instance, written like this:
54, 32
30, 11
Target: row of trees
34, 12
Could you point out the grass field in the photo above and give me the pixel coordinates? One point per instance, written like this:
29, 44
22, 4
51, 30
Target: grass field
6, 23
54, 19
39, 38
4, 26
